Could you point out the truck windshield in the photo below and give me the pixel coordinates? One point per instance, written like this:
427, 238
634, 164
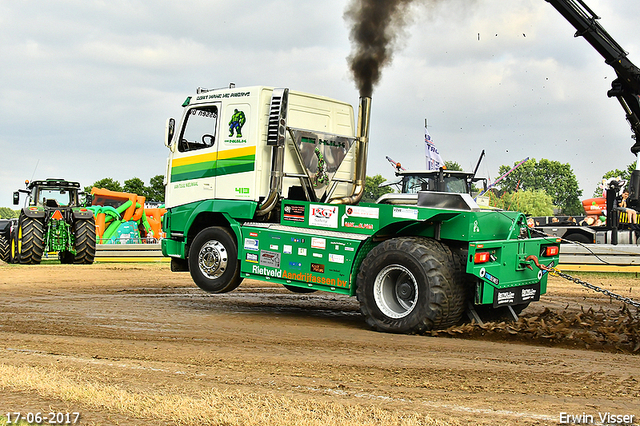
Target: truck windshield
199, 129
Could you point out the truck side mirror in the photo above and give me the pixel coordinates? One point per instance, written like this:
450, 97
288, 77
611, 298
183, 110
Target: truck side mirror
16, 198
169, 130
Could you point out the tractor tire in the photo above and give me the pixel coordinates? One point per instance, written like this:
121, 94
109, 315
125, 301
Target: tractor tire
13, 246
408, 285
84, 232
4, 249
29, 240
213, 260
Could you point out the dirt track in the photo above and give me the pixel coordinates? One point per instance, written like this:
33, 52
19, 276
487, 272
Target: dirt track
142, 330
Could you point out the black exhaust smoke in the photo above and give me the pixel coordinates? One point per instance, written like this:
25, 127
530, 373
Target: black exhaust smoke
377, 24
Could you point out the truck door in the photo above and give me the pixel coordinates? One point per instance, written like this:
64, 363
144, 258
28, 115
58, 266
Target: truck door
237, 153
194, 159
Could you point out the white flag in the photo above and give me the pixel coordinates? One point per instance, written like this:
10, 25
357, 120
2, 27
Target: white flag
434, 161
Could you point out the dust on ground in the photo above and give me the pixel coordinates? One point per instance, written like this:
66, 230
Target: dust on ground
139, 328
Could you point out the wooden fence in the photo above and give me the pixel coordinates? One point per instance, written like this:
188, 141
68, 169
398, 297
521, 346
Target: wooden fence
600, 258
129, 253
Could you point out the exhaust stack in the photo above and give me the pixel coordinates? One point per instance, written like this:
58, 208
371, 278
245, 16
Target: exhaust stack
361, 154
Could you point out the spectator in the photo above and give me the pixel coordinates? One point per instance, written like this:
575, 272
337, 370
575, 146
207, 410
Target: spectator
588, 221
621, 202
554, 220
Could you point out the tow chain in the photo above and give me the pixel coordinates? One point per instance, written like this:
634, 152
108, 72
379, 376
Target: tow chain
604, 291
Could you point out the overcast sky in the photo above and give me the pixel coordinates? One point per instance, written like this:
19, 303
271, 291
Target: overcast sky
86, 85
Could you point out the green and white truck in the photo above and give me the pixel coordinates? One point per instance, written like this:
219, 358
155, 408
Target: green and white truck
266, 183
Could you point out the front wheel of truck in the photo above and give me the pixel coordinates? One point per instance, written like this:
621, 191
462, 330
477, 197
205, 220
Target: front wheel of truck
408, 285
213, 260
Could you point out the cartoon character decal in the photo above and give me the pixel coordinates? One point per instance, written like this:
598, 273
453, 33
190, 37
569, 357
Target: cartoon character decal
321, 176
237, 121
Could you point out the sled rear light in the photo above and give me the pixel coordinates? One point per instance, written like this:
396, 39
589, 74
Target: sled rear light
551, 251
482, 257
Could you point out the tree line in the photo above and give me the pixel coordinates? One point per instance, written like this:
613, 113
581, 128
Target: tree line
536, 188
154, 192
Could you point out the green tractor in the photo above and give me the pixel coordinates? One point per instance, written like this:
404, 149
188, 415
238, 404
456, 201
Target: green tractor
53, 220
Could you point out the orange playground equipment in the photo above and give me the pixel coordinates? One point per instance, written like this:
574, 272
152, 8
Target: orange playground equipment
595, 206
122, 218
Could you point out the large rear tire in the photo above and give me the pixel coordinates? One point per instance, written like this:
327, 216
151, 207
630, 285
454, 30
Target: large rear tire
84, 232
408, 285
29, 241
4, 249
213, 260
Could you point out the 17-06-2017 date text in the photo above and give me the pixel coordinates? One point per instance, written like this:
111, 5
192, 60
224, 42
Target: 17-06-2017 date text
51, 418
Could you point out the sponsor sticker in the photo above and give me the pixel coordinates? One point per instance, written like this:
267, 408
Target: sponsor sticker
368, 212
317, 268
251, 244
336, 258
273, 247
252, 257
323, 216
358, 225
318, 243
516, 295
293, 213
295, 265
484, 274
270, 259
302, 251
404, 213
317, 255
491, 278
287, 249
529, 294
506, 297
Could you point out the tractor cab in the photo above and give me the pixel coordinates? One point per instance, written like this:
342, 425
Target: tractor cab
445, 181
52, 193
442, 180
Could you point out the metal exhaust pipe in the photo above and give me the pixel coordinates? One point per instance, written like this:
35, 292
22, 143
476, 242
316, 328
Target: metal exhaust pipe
276, 137
362, 148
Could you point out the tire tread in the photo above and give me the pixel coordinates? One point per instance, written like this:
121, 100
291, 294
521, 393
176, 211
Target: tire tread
445, 302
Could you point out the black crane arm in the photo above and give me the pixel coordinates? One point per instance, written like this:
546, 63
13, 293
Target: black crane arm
626, 87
